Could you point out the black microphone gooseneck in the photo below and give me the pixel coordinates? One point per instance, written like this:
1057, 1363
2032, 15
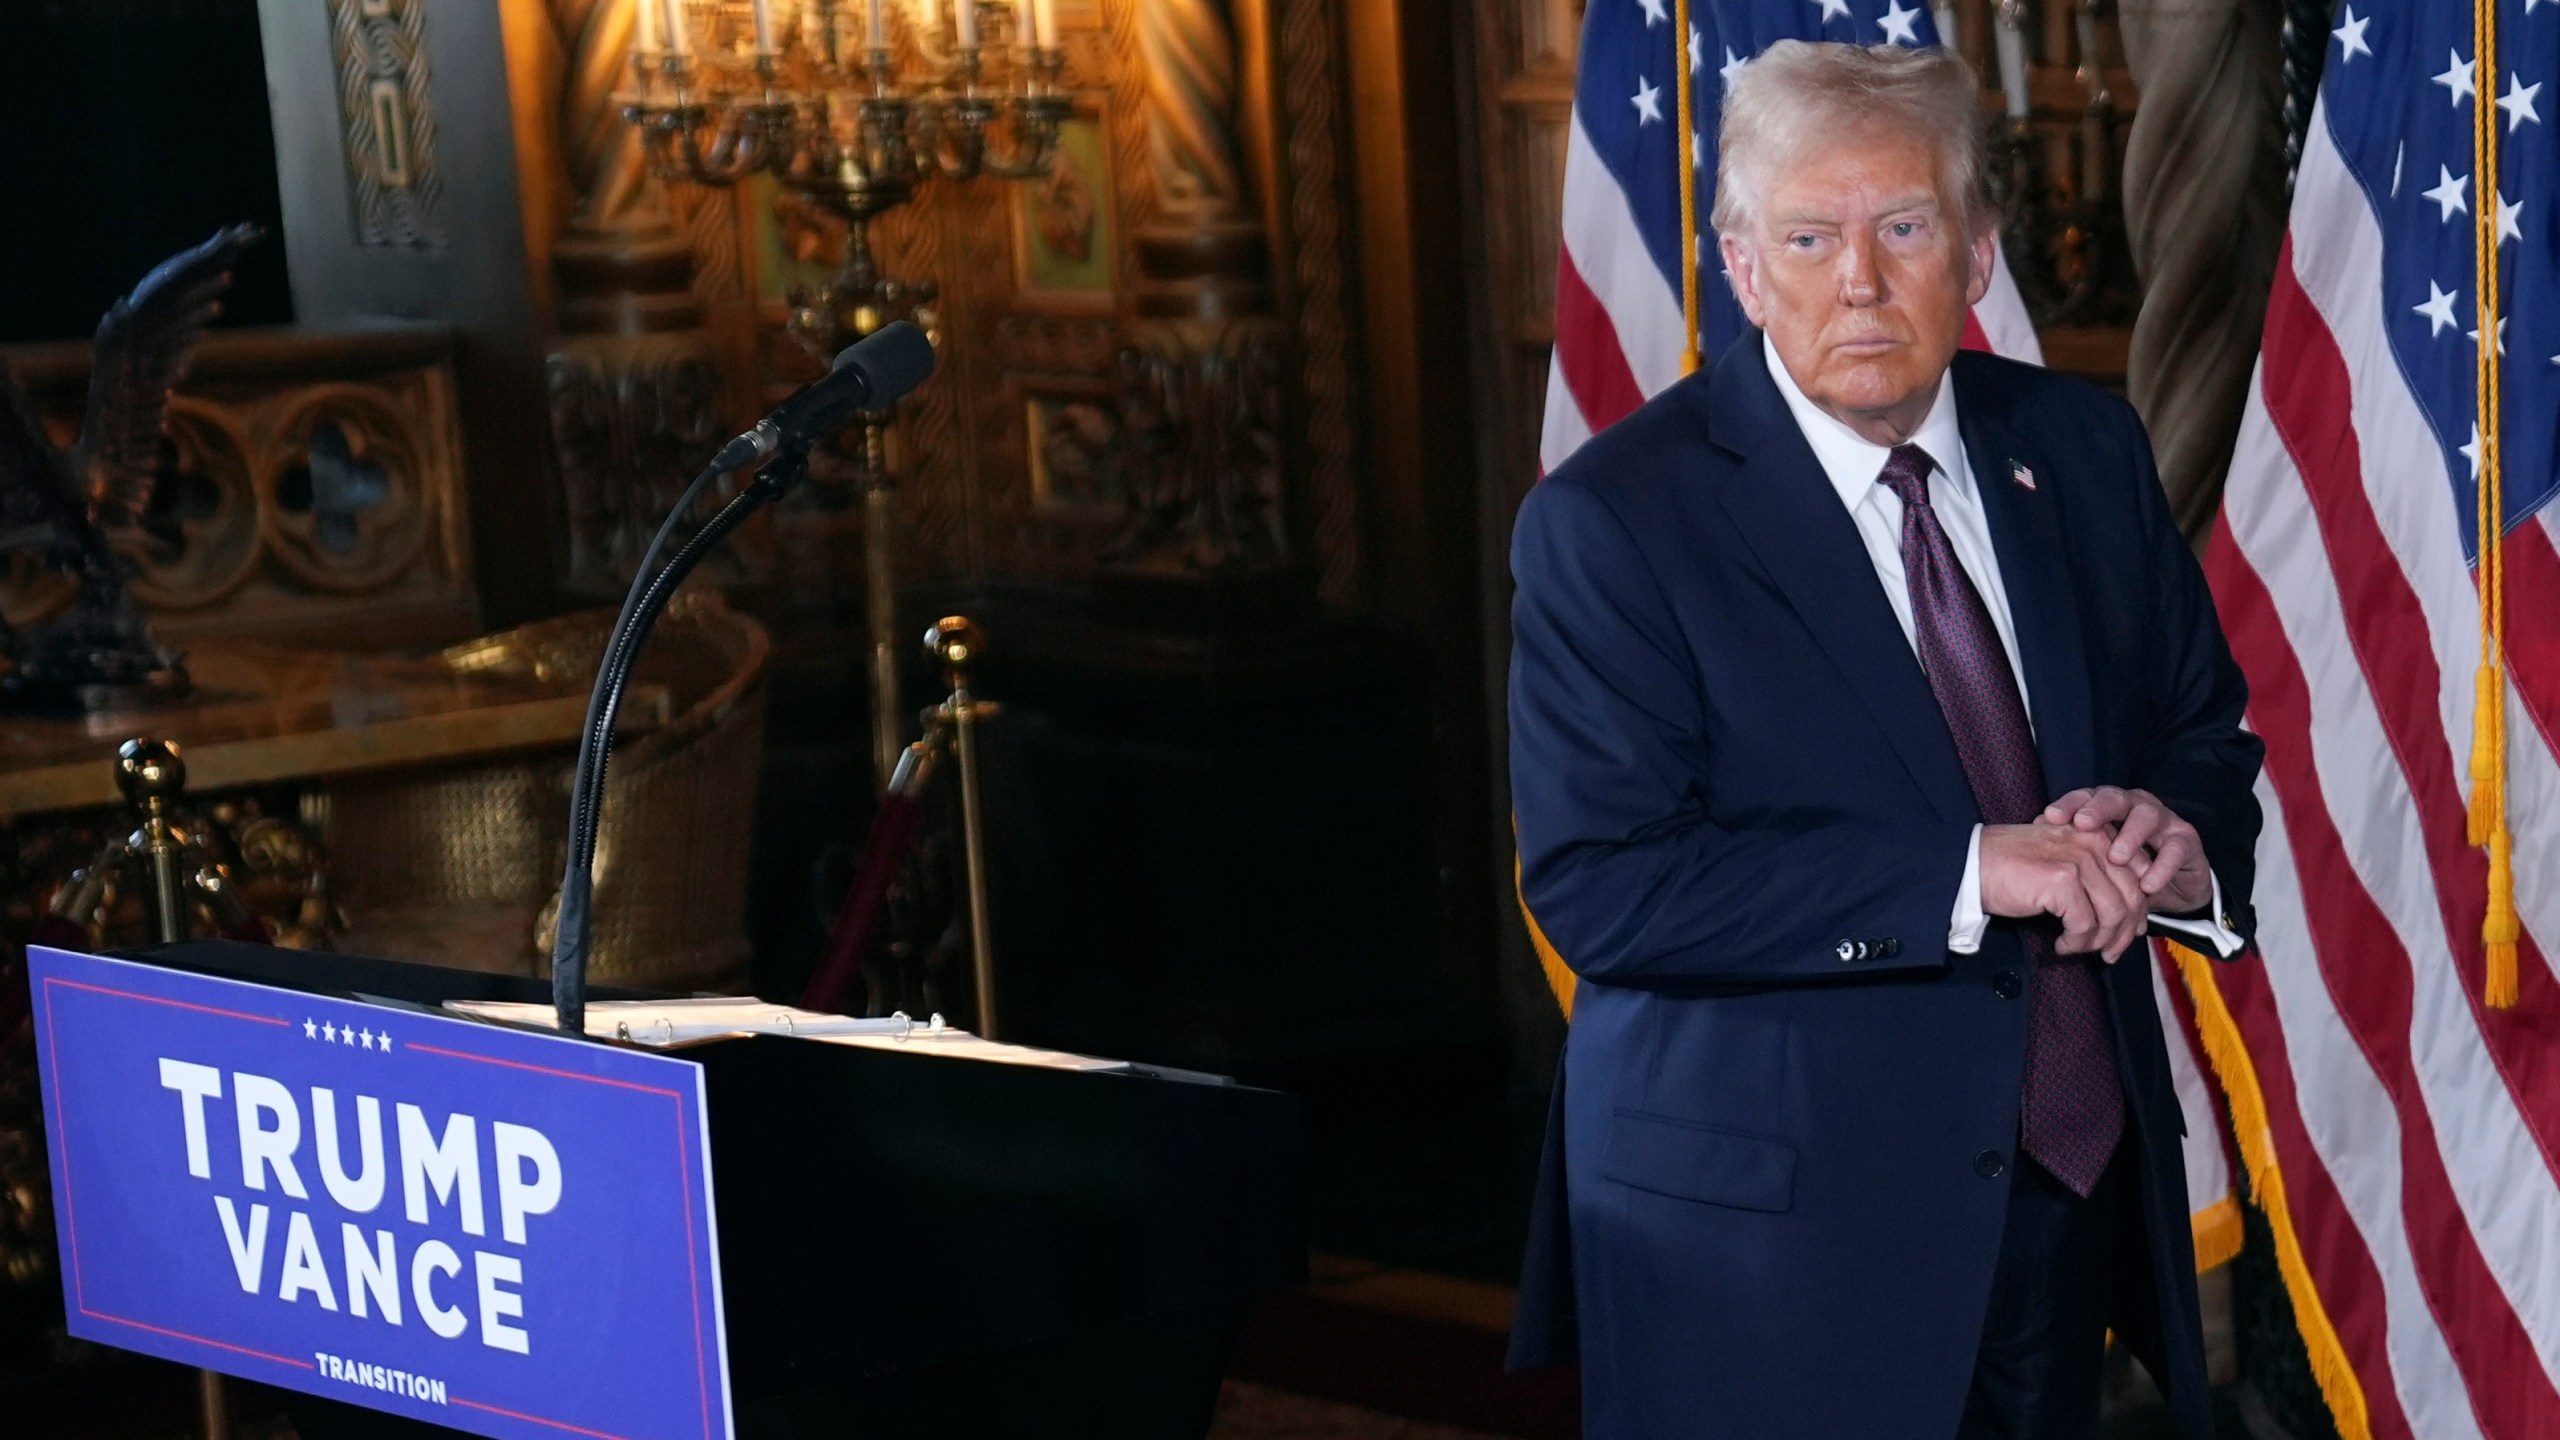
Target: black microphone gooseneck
872, 374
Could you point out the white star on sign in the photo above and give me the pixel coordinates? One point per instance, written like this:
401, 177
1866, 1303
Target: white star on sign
1897, 24
1834, 9
347, 1036
2351, 36
1733, 65
2438, 309
2452, 193
367, 1038
2456, 78
2518, 102
1648, 102
2508, 228
2471, 452
1654, 14
310, 1029
329, 1033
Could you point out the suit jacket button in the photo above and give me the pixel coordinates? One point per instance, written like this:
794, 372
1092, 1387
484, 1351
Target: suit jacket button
1989, 1164
2005, 985
1847, 950
1864, 950
1889, 947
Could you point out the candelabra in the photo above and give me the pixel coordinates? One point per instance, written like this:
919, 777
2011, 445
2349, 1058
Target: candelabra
855, 108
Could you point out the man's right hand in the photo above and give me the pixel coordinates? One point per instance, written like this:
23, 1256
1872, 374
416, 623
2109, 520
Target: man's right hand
2066, 873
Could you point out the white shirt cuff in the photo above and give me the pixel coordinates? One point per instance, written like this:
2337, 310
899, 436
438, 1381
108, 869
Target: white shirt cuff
1965, 926
2212, 928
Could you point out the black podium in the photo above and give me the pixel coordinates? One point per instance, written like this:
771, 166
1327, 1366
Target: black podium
916, 1245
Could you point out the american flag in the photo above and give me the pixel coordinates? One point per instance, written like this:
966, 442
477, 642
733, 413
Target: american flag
2400, 1133
1618, 316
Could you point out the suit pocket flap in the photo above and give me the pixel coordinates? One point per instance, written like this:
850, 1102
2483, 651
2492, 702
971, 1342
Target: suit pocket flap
1694, 1162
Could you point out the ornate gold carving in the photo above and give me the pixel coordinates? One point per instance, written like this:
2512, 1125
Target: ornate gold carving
291, 505
1309, 77
340, 507
200, 539
387, 120
631, 416
1205, 405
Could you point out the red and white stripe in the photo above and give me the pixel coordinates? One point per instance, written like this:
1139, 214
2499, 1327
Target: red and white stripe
2414, 1130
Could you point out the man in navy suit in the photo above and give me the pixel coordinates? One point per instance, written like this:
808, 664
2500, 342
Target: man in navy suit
1867, 708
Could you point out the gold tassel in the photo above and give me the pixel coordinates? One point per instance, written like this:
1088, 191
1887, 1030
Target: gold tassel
2486, 782
2229, 1056
2500, 930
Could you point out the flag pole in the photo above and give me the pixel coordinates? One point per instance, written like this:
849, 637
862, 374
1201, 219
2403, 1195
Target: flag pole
2499, 930
1688, 147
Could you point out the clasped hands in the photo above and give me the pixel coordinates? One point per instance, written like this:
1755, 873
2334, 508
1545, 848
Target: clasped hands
2101, 860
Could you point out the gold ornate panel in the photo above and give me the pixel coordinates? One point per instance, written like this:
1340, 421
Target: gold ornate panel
312, 491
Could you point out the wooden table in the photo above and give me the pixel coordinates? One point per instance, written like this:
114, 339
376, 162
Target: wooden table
260, 716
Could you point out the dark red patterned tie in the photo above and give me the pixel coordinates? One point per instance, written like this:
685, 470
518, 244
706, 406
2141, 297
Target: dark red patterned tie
2073, 1113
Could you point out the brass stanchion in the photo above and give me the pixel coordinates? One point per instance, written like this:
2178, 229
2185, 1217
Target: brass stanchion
957, 643
151, 773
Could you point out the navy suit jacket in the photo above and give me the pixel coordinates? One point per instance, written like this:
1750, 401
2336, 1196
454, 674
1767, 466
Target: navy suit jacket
1776, 1177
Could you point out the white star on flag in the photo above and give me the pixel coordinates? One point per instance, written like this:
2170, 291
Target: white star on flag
1654, 14
2351, 36
1897, 24
1648, 102
2508, 228
1697, 57
2474, 336
2452, 192
1733, 65
2471, 452
2438, 309
2457, 78
2518, 101
1834, 9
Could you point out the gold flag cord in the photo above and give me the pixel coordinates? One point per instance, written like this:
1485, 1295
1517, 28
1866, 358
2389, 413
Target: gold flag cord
1688, 143
2488, 811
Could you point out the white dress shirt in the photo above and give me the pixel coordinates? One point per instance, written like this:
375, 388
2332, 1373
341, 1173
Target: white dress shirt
1852, 464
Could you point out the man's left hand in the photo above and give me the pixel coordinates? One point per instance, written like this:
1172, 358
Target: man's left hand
2175, 875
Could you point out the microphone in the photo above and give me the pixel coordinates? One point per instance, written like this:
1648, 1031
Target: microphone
873, 373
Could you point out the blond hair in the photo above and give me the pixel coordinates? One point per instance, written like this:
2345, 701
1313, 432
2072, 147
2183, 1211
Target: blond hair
1797, 93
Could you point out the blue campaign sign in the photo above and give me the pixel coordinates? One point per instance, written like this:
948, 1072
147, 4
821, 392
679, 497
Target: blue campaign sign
495, 1230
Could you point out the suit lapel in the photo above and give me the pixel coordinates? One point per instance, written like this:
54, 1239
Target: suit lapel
1789, 515
2035, 570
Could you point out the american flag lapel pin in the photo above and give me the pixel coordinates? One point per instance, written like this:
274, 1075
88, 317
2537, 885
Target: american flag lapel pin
2025, 477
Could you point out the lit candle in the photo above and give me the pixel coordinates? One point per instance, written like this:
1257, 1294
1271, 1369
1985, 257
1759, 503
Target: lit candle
1044, 22
764, 28
878, 34
966, 13
648, 12
1022, 23
677, 41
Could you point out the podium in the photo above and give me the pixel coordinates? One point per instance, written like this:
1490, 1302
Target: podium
907, 1244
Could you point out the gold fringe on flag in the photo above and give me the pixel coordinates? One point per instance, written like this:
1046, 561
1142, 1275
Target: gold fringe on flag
1688, 145
2239, 1076
2499, 930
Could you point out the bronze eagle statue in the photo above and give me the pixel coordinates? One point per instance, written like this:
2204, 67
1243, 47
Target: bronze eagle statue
99, 653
